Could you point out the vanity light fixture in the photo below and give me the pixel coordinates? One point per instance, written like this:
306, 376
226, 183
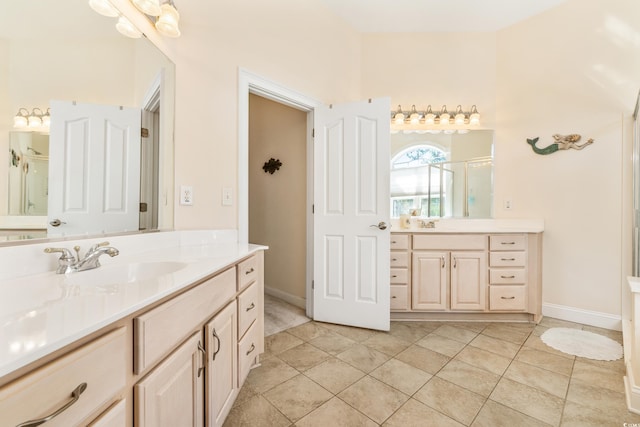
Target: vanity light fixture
428, 121
21, 118
104, 8
35, 118
148, 7
398, 117
414, 117
167, 22
46, 118
444, 116
126, 28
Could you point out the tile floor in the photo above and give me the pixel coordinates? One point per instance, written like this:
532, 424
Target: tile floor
429, 374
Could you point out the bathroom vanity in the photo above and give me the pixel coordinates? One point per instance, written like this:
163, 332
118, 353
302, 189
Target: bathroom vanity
467, 270
168, 342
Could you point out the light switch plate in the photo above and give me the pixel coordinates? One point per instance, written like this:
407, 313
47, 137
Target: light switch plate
186, 195
227, 196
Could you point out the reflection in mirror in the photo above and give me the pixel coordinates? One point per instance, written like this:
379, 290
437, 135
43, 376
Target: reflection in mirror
77, 57
442, 174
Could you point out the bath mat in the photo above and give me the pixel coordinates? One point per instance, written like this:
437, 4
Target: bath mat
582, 343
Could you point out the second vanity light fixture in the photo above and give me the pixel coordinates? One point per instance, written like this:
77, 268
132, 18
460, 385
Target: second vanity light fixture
162, 12
430, 121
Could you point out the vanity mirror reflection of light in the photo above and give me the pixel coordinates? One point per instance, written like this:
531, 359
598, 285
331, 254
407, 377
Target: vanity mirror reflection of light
445, 174
64, 50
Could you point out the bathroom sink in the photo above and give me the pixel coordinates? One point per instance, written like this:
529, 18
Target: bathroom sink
113, 274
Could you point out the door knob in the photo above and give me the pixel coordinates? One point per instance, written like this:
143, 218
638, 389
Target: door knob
56, 223
381, 225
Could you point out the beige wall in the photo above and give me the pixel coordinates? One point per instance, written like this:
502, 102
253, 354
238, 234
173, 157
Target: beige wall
574, 69
277, 215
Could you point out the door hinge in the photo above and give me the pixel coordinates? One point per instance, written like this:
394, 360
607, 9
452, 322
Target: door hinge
313, 284
144, 132
313, 133
143, 206
313, 208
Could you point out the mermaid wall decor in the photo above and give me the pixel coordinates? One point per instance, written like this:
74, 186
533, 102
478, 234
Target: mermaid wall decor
561, 142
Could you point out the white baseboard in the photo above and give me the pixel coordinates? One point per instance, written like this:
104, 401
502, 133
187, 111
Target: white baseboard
587, 317
285, 296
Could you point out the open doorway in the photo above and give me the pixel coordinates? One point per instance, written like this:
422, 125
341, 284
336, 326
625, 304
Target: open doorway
277, 206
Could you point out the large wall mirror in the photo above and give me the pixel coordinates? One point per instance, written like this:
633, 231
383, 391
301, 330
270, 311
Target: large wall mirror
445, 174
64, 51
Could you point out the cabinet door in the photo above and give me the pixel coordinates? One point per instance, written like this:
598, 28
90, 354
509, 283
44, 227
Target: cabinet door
222, 373
173, 393
468, 280
429, 280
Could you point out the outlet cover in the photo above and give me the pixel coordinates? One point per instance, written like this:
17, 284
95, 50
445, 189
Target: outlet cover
508, 204
186, 195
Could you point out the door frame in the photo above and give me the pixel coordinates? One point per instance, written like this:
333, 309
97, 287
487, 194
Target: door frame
249, 82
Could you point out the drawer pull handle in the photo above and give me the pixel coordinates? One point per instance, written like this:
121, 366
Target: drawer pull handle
508, 297
394, 275
508, 277
253, 347
394, 259
507, 259
251, 270
442, 261
393, 241
204, 358
454, 262
394, 297
75, 396
251, 307
215, 335
507, 243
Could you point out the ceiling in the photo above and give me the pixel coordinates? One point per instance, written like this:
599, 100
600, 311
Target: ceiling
369, 16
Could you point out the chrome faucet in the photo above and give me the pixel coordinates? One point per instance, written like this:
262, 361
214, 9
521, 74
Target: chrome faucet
430, 224
68, 262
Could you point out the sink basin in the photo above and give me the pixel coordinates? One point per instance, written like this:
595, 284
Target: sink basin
113, 274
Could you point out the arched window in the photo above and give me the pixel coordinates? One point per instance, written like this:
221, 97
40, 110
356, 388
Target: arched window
418, 155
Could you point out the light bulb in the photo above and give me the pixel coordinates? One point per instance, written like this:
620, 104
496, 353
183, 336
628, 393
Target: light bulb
149, 7
104, 8
167, 23
126, 28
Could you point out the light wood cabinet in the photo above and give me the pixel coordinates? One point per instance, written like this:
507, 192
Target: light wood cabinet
400, 272
173, 393
470, 276
429, 280
84, 382
222, 361
178, 362
449, 280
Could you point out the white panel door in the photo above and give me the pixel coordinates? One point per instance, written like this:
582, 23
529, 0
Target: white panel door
351, 198
94, 168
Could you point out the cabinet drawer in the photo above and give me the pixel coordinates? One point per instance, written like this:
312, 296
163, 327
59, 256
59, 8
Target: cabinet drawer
507, 259
101, 364
399, 259
247, 272
399, 276
248, 302
399, 297
400, 241
507, 298
508, 242
115, 416
507, 277
163, 328
450, 242
247, 353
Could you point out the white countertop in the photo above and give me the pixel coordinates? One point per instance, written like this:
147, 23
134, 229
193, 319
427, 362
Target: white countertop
44, 311
449, 225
